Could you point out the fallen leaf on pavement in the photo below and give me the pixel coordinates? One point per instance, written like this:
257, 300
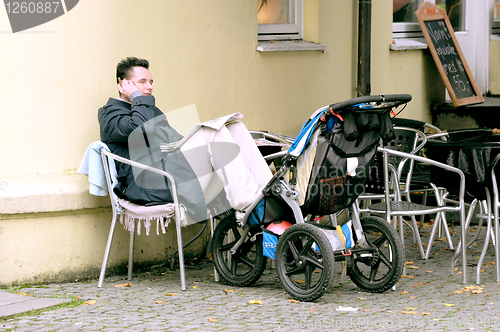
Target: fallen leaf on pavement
300, 281
448, 304
228, 290
255, 302
124, 285
404, 293
361, 298
409, 262
410, 308
211, 309
413, 297
425, 313
409, 312
90, 302
409, 277
194, 287
211, 320
293, 301
413, 267
430, 271
458, 292
170, 294
159, 301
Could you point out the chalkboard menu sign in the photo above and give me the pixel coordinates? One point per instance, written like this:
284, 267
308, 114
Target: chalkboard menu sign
447, 55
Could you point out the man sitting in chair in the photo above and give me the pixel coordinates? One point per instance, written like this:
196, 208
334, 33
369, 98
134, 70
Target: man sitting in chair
243, 174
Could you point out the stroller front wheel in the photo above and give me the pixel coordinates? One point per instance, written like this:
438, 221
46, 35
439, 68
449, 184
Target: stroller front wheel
382, 265
304, 262
246, 265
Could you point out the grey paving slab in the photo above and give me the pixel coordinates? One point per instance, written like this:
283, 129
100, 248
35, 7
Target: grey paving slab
9, 298
11, 304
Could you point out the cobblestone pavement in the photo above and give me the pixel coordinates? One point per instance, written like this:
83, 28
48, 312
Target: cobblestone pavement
430, 298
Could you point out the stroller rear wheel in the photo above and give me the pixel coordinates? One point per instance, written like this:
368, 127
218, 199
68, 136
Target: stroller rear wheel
304, 262
246, 265
381, 266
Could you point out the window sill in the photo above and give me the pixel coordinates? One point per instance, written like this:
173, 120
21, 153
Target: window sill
406, 44
289, 45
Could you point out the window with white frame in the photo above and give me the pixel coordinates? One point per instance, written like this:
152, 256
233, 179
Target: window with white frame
405, 24
279, 19
496, 17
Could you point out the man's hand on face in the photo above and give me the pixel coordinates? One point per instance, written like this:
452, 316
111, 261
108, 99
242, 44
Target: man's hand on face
126, 87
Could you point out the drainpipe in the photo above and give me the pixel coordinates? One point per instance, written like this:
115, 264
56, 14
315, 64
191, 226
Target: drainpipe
364, 47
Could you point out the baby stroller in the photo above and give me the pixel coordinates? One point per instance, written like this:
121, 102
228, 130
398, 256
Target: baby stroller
283, 223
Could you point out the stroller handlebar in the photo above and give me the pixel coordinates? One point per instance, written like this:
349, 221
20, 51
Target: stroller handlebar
392, 99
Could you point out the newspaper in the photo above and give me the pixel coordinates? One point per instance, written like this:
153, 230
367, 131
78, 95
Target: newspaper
214, 124
266, 142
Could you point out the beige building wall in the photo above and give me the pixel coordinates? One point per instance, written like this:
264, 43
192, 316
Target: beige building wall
408, 71
494, 82
55, 77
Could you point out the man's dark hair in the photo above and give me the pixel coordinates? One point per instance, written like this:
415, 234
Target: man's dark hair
123, 68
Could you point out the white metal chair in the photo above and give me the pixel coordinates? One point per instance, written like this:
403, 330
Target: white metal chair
476, 151
177, 215
133, 213
411, 141
391, 207
495, 207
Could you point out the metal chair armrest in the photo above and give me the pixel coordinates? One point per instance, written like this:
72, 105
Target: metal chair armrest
173, 187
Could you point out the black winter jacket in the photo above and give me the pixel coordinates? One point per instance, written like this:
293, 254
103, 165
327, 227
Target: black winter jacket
135, 131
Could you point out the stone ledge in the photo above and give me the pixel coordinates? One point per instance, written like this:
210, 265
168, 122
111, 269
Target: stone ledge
406, 44
287, 46
47, 193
